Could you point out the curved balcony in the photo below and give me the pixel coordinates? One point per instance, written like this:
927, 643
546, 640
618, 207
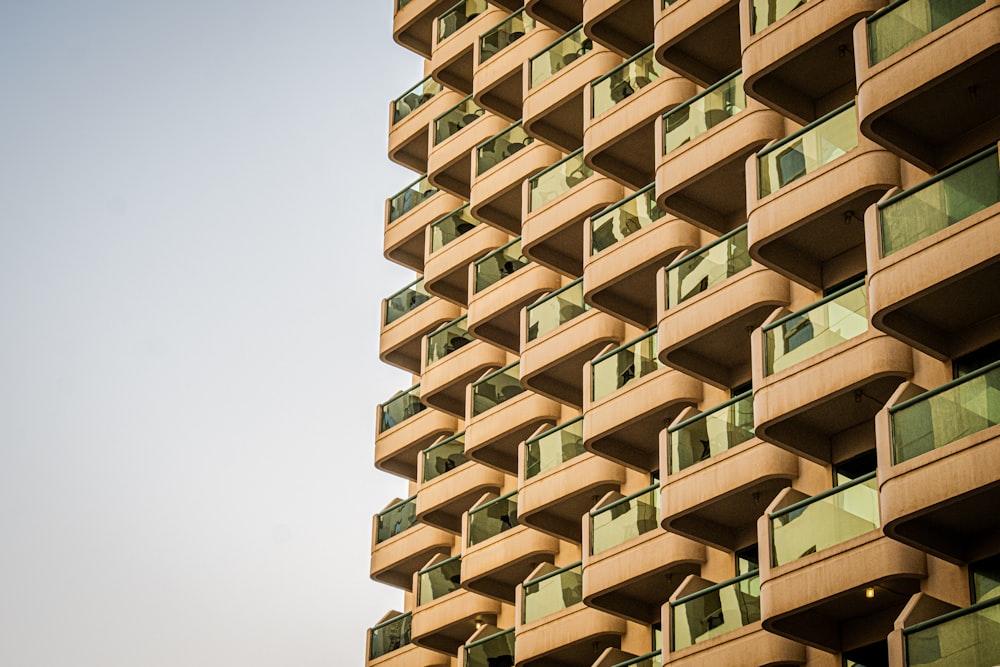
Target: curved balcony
703, 146
629, 398
556, 202
700, 39
465, 239
389, 645
556, 80
633, 95
405, 427
624, 26
410, 116
812, 188
615, 658
407, 316
456, 133
558, 480
932, 250
559, 334
456, 36
821, 371
713, 298
965, 636
628, 242
400, 545
930, 95
407, 214
413, 23
503, 414
563, 14
488, 647
450, 484
453, 359
949, 433
447, 615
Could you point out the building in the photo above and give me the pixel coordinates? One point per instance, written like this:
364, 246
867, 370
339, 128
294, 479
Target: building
704, 335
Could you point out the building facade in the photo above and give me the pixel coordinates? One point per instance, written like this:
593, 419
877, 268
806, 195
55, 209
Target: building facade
704, 335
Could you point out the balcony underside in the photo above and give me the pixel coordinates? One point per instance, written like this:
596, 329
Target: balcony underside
700, 40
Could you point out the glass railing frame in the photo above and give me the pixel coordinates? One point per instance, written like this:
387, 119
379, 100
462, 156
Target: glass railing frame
483, 506
446, 216
645, 190
552, 295
458, 5
613, 352
529, 140
428, 194
704, 415
507, 18
552, 45
652, 488
538, 174
484, 640
385, 624
434, 124
544, 577
544, 434
951, 615
411, 500
754, 30
870, 20
658, 653
703, 250
493, 253
692, 100
396, 397
489, 376
435, 566
415, 86
399, 292
442, 328
595, 82
690, 597
439, 443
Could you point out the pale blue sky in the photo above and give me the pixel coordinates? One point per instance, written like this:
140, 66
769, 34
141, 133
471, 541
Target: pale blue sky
191, 201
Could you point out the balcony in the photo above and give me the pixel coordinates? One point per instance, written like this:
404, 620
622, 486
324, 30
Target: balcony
930, 95
559, 335
456, 35
631, 566
404, 427
453, 359
967, 636
932, 250
449, 486
504, 282
563, 14
624, 26
456, 133
400, 545
407, 316
555, 83
700, 39
812, 188
630, 397
558, 480
721, 477
453, 243
632, 96
493, 649
413, 23
703, 146
556, 203
948, 433
410, 117
446, 615
503, 414
628, 242
713, 297
615, 658
389, 644
822, 371
407, 214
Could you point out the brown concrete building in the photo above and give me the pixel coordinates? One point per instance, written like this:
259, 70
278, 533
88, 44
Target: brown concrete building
704, 334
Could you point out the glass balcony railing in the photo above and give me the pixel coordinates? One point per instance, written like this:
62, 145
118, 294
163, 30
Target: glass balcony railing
497, 265
559, 54
817, 144
499, 147
625, 519
492, 518
401, 407
825, 520
718, 261
497, 650
964, 406
716, 610
552, 592
407, 199
636, 73
903, 22
624, 219
443, 456
837, 318
553, 181
653, 659
505, 33
456, 118
401, 3
634, 359
951, 196
712, 432
438, 580
448, 228
963, 638
405, 300
443, 341
458, 16
389, 636
704, 111
556, 309
551, 448
394, 519
420, 94
497, 387
768, 12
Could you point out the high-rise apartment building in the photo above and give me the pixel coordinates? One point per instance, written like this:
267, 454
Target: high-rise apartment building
704, 335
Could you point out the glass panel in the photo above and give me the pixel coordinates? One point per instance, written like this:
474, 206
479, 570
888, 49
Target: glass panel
931, 207
459, 116
395, 519
405, 300
709, 266
499, 264
625, 519
407, 199
616, 369
906, 22
494, 651
818, 328
825, 520
653, 659
627, 217
552, 592
439, 580
765, 12
401, 3
711, 433
495, 150
986, 579
716, 611
496, 388
400, 408
458, 16
450, 227
496, 39
420, 94
553, 448
492, 518
969, 405
444, 456
447, 339
624, 80
818, 144
703, 112
556, 309
389, 636
557, 179
969, 640
564, 51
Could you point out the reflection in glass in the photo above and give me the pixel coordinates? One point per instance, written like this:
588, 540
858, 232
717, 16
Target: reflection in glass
625, 519
401, 407
405, 300
557, 179
704, 111
508, 31
624, 219
499, 264
443, 456
450, 337
499, 386
389, 636
407, 199
498, 148
553, 447
456, 118
711, 432
417, 96
695, 273
492, 518
903, 23
440, 579
448, 228
766, 12
458, 16
394, 519
497, 650
716, 610
964, 638
652, 659
552, 592
561, 53
633, 360
625, 80
555, 309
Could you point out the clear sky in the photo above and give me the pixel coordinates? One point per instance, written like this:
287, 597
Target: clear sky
191, 206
